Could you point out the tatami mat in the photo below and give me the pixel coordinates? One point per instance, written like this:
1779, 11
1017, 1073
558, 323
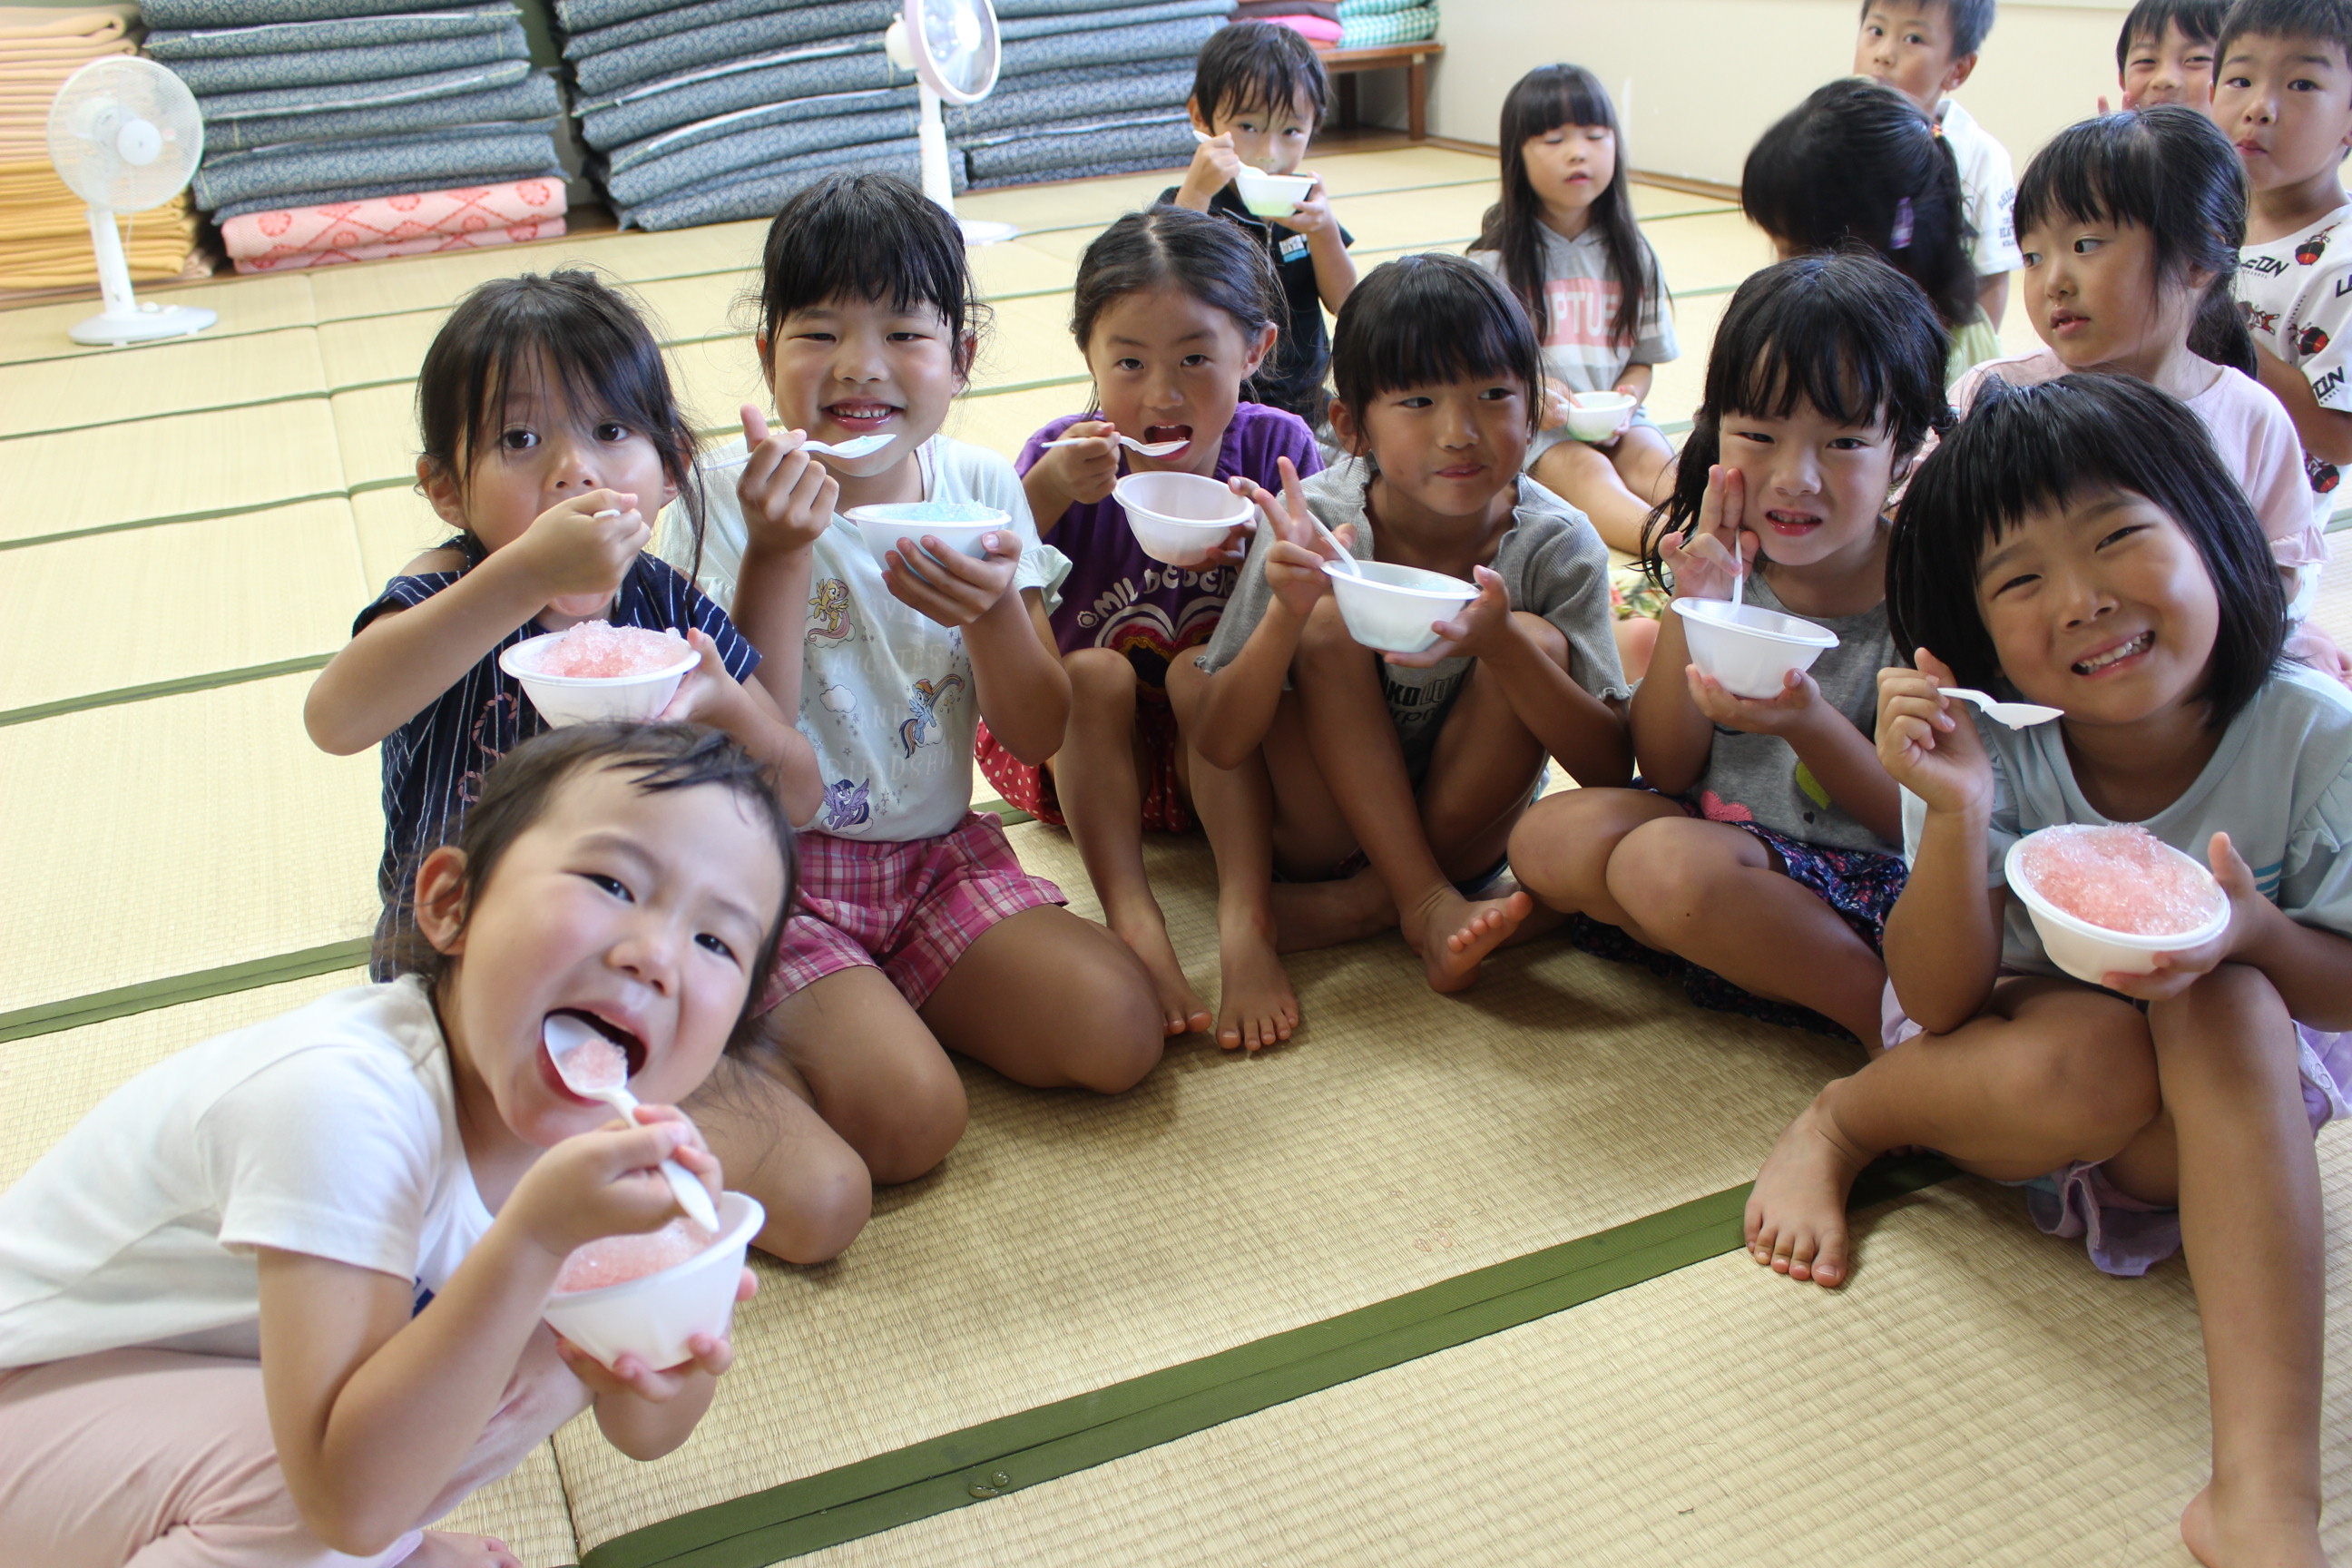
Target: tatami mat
247, 306
169, 465
202, 373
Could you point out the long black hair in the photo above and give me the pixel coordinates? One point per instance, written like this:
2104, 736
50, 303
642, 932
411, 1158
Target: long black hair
571, 326
1219, 264
1857, 162
1424, 320
875, 238
1845, 334
2171, 171
2024, 450
1544, 99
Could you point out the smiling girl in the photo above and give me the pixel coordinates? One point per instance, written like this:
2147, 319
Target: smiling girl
275, 1302
917, 927
2078, 545
1762, 852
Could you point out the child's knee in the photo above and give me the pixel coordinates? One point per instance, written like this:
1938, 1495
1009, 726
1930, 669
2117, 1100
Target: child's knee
1657, 874
2231, 1019
830, 1196
1325, 643
1109, 987
920, 1112
1100, 675
2096, 1082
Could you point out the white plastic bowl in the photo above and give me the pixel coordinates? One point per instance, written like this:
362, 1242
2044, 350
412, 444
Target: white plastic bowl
653, 1315
1391, 607
2092, 952
565, 699
960, 525
1593, 415
1748, 649
1272, 195
1179, 518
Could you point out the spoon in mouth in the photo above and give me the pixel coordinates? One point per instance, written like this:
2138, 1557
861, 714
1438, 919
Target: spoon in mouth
593, 1066
1148, 448
2016, 715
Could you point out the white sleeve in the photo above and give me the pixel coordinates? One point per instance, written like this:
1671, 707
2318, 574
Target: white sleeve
1992, 207
987, 478
331, 1151
723, 533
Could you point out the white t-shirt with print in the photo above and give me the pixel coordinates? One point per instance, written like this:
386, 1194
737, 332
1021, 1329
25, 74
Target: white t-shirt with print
2297, 295
1987, 191
332, 1130
887, 696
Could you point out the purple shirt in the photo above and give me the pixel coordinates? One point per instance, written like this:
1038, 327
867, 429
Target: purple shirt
1116, 596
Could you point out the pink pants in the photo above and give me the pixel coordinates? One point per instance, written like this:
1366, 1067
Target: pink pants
144, 1458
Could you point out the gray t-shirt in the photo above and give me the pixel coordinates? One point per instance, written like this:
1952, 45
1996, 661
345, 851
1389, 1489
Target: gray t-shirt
1581, 348
2279, 785
1760, 773
1551, 562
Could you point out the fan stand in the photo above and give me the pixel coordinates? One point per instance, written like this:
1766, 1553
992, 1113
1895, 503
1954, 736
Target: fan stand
938, 184
125, 320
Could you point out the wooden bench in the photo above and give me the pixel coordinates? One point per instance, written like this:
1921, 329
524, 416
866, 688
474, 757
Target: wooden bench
1414, 57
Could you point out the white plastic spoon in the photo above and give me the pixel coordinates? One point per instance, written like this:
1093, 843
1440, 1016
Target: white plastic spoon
1201, 135
564, 1036
855, 446
1709, 549
1146, 449
1345, 561
2016, 715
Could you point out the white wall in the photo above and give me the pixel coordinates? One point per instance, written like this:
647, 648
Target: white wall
1708, 76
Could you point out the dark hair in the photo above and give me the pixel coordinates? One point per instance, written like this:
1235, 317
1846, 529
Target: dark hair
2322, 21
873, 237
1857, 162
518, 790
1546, 98
2198, 20
1219, 264
2023, 449
1263, 66
1970, 21
1846, 333
571, 325
2171, 171
1427, 319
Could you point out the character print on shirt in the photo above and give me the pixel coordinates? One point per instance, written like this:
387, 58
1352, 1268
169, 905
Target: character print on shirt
837, 700
829, 611
1581, 312
1715, 809
2264, 322
846, 805
2323, 476
2312, 247
2310, 341
1122, 621
922, 724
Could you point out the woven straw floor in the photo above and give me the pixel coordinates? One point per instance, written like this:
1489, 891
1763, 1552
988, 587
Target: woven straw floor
1981, 1395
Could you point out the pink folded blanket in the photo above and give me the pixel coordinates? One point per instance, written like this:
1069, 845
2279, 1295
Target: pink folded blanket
422, 245
1317, 29
353, 228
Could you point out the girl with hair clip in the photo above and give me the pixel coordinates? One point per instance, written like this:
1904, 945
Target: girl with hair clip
1857, 163
1563, 238
1174, 311
1760, 857
276, 1302
1387, 784
2081, 545
917, 931
2130, 226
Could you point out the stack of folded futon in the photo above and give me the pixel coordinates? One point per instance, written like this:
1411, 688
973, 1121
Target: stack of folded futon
317, 113
1318, 19
1088, 88
1379, 24
44, 226
721, 109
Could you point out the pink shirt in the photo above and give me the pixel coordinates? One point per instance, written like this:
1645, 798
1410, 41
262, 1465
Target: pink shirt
2252, 434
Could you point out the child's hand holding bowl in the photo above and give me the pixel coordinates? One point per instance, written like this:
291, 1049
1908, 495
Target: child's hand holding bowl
948, 585
1484, 627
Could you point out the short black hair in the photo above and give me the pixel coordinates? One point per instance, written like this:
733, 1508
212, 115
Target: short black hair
2198, 20
1218, 263
2322, 21
573, 326
1424, 320
516, 793
1970, 20
2023, 449
1845, 332
868, 237
1258, 65
2171, 171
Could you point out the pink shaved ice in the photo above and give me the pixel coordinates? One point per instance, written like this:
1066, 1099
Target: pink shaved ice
600, 650
616, 1259
2121, 878
599, 1063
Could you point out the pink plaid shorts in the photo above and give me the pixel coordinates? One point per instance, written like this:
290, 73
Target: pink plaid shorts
909, 908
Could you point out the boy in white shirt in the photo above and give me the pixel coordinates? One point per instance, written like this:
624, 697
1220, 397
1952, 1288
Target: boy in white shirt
1926, 49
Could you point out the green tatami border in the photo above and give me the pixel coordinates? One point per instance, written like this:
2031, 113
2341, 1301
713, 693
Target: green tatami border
76, 1011
175, 688
996, 1458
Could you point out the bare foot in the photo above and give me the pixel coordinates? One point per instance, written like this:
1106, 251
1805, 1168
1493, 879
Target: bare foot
1454, 934
441, 1549
1257, 1007
1796, 1213
1181, 1011
1311, 915
2281, 1533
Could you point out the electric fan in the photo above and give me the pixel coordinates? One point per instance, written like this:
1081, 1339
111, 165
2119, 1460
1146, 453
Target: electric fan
951, 46
125, 136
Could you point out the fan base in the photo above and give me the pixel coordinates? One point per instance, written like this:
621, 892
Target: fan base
980, 231
150, 323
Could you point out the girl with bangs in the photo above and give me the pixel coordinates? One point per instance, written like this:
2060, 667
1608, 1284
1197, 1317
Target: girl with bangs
1758, 859
1385, 786
2080, 544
